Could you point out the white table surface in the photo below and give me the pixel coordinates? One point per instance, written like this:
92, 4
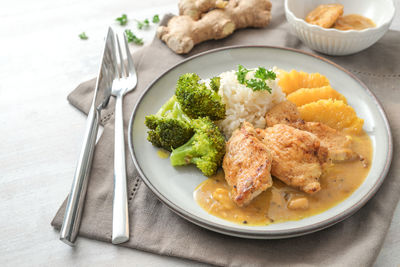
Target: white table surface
41, 61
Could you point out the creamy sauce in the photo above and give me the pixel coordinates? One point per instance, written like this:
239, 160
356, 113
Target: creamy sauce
338, 182
353, 22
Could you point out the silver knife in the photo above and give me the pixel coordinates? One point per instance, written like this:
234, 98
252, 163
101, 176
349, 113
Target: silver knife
76, 198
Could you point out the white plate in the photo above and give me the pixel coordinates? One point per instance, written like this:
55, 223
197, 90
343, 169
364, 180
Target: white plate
175, 186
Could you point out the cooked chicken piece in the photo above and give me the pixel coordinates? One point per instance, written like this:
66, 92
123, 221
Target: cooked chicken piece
325, 15
337, 143
284, 113
247, 165
297, 156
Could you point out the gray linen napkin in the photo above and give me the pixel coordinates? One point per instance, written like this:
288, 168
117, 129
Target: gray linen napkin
153, 227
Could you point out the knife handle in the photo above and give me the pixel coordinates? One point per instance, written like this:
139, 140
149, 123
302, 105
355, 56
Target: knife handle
76, 198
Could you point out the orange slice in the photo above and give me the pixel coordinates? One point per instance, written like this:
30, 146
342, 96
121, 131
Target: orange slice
294, 80
334, 113
307, 95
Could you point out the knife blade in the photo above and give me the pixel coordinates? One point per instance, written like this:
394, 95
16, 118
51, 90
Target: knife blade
102, 94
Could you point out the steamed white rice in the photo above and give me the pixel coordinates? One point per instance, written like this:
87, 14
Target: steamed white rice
243, 104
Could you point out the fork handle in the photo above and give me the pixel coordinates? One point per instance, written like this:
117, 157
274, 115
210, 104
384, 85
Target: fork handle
76, 198
120, 230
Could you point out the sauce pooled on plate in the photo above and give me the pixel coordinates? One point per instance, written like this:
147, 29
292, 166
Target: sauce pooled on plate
283, 203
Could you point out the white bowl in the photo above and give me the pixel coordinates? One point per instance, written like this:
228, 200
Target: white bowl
336, 42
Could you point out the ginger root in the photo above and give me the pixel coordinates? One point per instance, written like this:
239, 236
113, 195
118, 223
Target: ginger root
194, 8
183, 32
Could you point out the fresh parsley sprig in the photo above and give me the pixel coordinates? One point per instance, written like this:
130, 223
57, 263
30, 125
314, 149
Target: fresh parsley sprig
146, 23
143, 24
258, 83
83, 36
133, 38
123, 20
264, 74
156, 19
241, 74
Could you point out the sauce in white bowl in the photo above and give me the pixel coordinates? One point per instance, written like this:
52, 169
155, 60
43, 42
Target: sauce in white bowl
337, 42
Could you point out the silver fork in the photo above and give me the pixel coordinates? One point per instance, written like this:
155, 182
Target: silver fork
124, 82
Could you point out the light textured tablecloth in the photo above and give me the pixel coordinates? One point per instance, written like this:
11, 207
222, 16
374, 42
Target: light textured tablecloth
154, 228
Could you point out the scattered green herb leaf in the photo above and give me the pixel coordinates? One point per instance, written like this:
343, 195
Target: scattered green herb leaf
83, 36
258, 83
261, 73
264, 74
133, 38
271, 75
156, 19
123, 20
143, 24
241, 74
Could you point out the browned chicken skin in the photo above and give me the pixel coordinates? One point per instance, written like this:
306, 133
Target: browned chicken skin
247, 165
297, 156
337, 143
290, 149
284, 113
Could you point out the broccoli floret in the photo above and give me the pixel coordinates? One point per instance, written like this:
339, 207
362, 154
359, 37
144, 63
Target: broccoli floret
197, 100
215, 83
205, 149
169, 127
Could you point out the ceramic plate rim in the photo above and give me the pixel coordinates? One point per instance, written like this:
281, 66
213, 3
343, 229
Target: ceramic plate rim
265, 234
